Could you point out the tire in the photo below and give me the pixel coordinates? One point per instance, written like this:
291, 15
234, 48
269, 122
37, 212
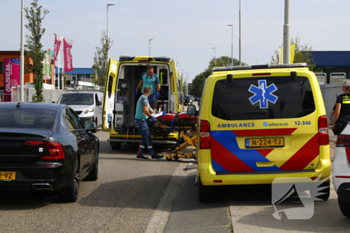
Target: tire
344, 208
325, 191
71, 193
93, 175
115, 145
206, 193
96, 124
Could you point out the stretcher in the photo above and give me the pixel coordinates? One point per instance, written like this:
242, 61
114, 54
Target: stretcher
186, 126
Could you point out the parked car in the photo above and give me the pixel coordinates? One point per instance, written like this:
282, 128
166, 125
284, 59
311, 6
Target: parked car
188, 100
341, 171
45, 147
87, 105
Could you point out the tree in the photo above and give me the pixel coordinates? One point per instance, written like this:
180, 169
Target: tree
302, 54
100, 66
34, 53
197, 85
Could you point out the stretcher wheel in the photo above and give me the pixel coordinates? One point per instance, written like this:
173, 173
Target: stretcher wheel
168, 158
176, 157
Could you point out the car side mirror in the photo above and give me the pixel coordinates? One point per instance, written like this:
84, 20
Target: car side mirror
53, 102
99, 103
90, 126
191, 110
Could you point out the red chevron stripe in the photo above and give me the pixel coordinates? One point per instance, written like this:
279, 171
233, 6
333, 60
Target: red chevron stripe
226, 159
304, 155
264, 152
264, 132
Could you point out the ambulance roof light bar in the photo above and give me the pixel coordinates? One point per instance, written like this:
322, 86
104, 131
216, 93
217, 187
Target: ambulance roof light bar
145, 59
266, 66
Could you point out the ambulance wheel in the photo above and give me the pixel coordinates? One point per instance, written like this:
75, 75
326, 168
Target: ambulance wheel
325, 191
206, 193
115, 145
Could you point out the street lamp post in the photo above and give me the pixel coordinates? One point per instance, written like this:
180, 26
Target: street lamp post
149, 47
107, 25
240, 35
286, 34
230, 25
214, 55
21, 81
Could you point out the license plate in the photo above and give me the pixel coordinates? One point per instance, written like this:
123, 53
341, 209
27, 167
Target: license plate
264, 142
7, 175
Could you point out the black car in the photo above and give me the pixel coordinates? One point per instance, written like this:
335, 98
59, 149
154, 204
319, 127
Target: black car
46, 147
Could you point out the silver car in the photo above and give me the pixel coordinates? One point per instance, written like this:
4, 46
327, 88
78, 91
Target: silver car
87, 105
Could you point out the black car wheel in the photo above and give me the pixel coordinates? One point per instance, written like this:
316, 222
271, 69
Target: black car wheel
344, 207
96, 124
70, 194
93, 175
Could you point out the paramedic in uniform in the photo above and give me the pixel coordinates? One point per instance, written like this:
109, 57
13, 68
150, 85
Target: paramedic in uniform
142, 114
152, 80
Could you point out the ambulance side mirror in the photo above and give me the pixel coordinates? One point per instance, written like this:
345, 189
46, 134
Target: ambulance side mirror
191, 110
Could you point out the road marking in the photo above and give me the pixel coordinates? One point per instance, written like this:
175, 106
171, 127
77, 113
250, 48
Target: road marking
161, 214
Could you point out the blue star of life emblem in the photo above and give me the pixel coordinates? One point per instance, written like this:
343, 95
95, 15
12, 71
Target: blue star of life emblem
263, 94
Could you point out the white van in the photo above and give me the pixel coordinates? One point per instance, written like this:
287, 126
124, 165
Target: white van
87, 104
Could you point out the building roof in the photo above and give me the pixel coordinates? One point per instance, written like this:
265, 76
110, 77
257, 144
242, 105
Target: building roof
78, 71
331, 58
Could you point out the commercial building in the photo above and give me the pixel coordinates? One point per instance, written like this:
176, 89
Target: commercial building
79, 78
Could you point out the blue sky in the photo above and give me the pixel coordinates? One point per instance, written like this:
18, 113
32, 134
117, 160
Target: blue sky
185, 30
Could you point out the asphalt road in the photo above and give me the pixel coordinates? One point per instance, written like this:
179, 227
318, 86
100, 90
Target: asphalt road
158, 196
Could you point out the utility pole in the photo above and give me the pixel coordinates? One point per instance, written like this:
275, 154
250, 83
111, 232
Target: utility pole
240, 35
21, 81
230, 25
107, 27
286, 34
214, 56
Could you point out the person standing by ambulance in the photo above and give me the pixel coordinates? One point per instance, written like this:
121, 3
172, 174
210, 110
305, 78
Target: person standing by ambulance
143, 113
150, 79
342, 108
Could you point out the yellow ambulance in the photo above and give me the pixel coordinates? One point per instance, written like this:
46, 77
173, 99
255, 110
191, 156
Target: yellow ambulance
258, 123
119, 103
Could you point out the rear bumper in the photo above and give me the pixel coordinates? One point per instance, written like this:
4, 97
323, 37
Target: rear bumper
210, 178
137, 140
37, 177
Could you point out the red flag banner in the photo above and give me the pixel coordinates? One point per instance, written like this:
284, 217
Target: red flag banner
11, 76
68, 58
57, 45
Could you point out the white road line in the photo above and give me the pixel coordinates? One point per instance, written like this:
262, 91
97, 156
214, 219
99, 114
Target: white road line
161, 214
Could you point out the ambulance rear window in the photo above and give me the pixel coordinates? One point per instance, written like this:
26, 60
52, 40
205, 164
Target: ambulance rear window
262, 98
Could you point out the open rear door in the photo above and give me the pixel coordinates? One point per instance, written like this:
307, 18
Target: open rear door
109, 95
173, 96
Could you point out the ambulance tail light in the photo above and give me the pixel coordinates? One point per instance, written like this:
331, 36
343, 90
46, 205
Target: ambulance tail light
323, 137
205, 135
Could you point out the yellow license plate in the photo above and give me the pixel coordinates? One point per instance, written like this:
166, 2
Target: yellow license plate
7, 175
264, 142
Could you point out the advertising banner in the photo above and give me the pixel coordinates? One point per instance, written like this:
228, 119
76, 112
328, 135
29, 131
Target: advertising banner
11, 76
47, 65
56, 50
68, 58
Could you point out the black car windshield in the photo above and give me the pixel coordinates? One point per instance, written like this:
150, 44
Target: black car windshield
77, 99
262, 98
26, 118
